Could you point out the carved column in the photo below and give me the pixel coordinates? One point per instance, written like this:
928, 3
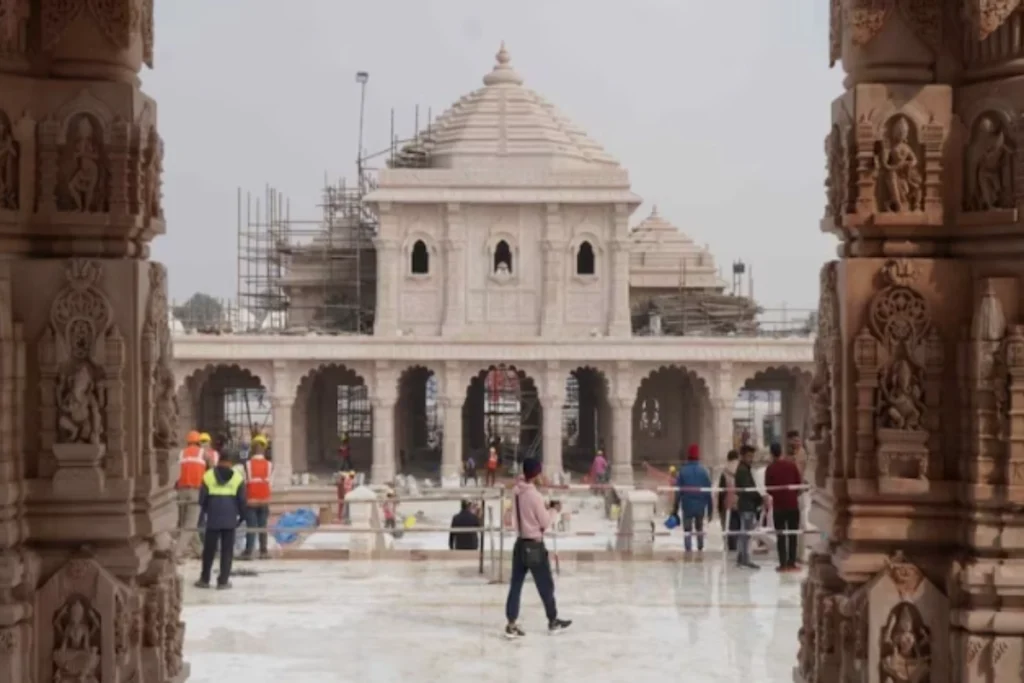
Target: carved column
552, 400
453, 395
87, 396
384, 397
554, 272
621, 402
455, 274
388, 275
281, 404
619, 318
723, 401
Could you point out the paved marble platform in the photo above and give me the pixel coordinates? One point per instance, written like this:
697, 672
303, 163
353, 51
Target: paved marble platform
416, 621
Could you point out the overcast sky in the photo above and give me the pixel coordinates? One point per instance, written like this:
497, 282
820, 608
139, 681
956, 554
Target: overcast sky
717, 109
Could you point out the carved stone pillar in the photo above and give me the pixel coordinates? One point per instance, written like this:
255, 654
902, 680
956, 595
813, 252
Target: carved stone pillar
455, 273
554, 272
389, 274
384, 397
453, 395
911, 454
552, 400
622, 435
281, 404
88, 414
619, 318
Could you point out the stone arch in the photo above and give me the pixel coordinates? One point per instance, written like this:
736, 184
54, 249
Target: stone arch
586, 416
84, 103
774, 399
420, 249
502, 407
228, 400
671, 411
497, 242
332, 401
419, 421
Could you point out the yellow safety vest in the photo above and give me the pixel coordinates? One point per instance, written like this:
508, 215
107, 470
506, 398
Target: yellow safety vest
217, 489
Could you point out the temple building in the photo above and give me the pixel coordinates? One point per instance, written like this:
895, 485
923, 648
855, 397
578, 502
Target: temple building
486, 287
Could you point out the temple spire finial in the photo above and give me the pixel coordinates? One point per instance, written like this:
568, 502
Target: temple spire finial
503, 73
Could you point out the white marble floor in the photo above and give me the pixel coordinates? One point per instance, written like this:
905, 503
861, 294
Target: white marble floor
387, 622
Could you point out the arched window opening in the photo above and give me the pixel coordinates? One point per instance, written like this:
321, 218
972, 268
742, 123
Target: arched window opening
585, 259
502, 258
420, 258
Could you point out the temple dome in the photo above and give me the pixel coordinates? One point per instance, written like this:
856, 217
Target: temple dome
505, 124
662, 256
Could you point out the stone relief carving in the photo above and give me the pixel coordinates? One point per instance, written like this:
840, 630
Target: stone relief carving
81, 358
986, 16
117, 20
899, 355
152, 165
905, 644
84, 184
148, 39
78, 635
899, 160
77, 618
165, 418
822, 387
10, 166
14, 16
836, 176
988, 165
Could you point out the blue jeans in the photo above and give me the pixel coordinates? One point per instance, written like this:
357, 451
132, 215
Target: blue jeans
256, 517
748, 522
693, 523
541, 577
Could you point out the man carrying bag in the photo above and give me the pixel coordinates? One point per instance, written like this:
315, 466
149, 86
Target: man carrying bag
529, 554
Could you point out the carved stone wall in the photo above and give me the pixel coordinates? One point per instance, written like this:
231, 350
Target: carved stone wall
920, 354
88, 583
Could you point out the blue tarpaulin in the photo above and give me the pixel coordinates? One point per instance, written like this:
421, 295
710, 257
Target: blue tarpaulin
290, 523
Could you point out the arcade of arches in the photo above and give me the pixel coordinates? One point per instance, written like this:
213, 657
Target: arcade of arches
427, 421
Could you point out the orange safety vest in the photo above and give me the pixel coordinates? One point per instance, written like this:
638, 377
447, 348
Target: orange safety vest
258, 471
212, 457
191, 468
492, 461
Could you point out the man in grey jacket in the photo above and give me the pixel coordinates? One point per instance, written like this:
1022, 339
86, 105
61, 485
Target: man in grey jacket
222, 500
749, 501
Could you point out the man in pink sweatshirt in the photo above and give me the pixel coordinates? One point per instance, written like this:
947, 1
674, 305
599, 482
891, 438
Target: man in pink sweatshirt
531, 517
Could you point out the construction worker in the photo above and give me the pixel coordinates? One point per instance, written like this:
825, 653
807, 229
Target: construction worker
345, 453
258, 473
492, 467
209, 452
191, 468
222, 498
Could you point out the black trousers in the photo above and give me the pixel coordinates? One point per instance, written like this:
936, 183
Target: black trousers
211, 539
734, 526
541, 578
786, 521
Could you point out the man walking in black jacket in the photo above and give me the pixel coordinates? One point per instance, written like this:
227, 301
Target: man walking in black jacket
465, 519
748, 504
222, 500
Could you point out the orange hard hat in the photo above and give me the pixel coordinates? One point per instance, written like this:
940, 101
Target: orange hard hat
192, 437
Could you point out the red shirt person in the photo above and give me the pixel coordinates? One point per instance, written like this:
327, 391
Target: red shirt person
782, 480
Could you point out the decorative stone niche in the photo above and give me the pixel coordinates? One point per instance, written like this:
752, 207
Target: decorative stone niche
989, 169
899, 358
908, 626
84, 629
81, 362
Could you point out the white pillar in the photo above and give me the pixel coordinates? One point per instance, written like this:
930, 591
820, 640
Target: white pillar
622, 435
554, 272
454, 273
281, 405
451, 449
383, 469
619, 320
389, 275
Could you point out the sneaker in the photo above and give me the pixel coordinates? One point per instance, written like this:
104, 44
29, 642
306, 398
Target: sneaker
512, 631
245, 557
223, 586
556, 626
201, 584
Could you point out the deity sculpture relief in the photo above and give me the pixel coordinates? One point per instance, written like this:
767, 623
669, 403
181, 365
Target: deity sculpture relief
77, 642
988, 166
820, 464
84, 187
899, 164
835, 176
80, 416
9, 166
905, 646
152, 168
902, 397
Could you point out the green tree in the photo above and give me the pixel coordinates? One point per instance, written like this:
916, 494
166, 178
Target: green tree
201, 312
